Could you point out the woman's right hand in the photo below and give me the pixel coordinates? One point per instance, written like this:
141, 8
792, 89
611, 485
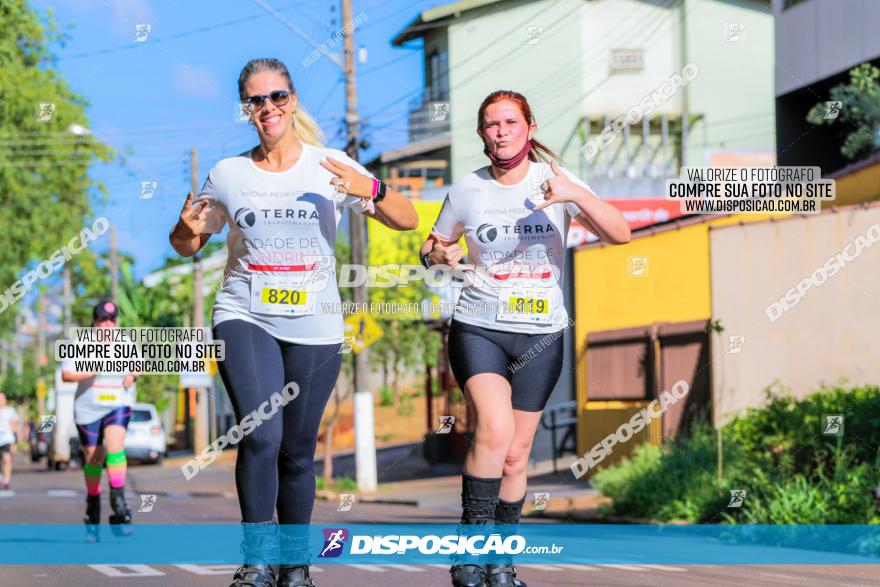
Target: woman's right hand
443, 253
192, 222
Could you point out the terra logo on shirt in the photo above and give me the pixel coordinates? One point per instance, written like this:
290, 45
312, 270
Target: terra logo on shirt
245, 217
486, 233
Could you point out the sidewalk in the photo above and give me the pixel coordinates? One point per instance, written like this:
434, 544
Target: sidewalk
405, 478
442, 489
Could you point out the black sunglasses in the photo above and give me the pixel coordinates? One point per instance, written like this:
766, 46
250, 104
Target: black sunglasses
278, 97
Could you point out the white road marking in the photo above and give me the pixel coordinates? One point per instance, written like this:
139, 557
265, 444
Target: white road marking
135, 570
209, 569
665, 568
371, 568
623, 567
579, 567
117, 571
61, 493
781, 576
7, 493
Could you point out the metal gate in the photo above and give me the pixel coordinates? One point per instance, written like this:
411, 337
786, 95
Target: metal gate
627, 368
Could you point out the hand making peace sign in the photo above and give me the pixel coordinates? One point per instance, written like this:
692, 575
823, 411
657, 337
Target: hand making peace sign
192, 218
348, 180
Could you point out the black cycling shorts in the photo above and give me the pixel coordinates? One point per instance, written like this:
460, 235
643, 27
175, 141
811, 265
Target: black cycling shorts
530, 362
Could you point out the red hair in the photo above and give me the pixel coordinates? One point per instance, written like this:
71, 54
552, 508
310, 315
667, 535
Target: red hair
538, 151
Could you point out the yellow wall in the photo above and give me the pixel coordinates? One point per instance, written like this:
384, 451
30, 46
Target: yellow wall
857, 187
391, 246
675, 288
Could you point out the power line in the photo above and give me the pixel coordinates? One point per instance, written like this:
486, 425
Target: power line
370, 70
503, 35
296, 30
155, 41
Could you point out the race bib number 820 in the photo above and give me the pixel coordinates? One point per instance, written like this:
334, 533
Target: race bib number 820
279, 298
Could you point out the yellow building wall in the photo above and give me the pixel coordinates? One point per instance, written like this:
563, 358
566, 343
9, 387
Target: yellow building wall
386, 246
674, 287
857, 187
392, 246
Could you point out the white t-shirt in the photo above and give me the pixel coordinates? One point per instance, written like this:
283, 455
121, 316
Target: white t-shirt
98, 395
8, 425
281, 269
517, 252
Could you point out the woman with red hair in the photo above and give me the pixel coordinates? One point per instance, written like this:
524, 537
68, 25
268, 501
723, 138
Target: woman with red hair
505, 342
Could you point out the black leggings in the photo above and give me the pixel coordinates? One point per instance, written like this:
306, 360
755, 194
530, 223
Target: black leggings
275, 463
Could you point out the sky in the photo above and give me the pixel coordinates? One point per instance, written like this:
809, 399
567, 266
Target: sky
156, 99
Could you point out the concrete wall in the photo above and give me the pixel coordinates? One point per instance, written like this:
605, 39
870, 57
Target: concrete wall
819, 38
565, 75
830, 333
627, 24
674, 287
488, 51
734, 87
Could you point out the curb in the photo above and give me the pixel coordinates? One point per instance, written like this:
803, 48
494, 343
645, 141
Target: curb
129, 492
594, 517
328, 495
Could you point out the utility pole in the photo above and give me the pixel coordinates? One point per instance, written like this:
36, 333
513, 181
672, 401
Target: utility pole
39, 348
364, 430
365, 441
200, 434
114, 266
68, 301
198, 310
16, 347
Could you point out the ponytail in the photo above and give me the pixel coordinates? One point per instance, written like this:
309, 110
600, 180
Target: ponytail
306, 128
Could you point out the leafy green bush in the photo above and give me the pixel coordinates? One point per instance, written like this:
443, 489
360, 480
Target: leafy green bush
791, 472
676, 482
336, 484
386, 396
785, 434
840, 491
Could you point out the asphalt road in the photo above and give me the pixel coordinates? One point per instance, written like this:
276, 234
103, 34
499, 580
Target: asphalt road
40, 496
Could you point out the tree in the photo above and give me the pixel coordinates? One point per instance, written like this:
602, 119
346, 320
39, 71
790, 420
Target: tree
859, 112
341, 392
406, 341
45, 151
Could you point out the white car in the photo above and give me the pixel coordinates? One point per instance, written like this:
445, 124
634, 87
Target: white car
145, 439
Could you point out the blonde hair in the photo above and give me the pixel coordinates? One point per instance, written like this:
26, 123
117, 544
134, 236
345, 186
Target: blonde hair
305, 127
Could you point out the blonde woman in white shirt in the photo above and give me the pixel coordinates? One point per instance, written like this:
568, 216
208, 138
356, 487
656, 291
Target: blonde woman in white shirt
283, 201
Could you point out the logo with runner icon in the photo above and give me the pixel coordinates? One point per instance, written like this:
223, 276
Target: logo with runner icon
334, 540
